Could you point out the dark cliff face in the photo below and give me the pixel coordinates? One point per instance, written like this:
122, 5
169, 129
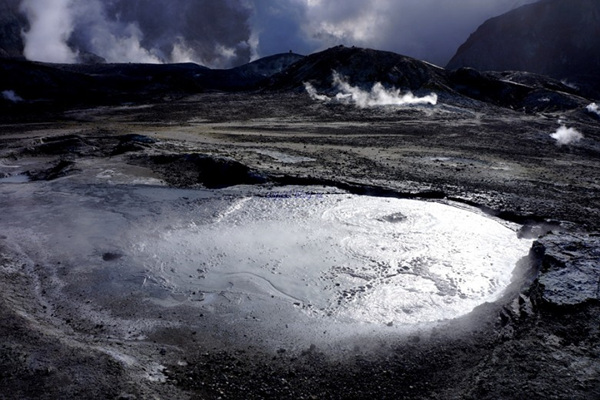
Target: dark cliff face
559, 38
12, 22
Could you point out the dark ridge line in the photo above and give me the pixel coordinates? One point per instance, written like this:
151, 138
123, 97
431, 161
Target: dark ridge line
378, 191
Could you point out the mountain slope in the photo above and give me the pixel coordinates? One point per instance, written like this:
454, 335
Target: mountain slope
362, 67
26, 84
11, 24
268, 66
365, 67
558, 38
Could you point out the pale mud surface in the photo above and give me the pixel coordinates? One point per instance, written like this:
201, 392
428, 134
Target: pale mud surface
119, 268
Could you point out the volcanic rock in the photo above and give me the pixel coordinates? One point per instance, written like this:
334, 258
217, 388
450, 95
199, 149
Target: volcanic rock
571, 270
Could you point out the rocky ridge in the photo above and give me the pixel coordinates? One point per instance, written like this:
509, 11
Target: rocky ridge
39, 86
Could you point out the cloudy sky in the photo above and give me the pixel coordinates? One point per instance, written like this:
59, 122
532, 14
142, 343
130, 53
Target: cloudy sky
225, 33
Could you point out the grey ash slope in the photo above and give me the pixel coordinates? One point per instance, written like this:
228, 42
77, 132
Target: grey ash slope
558, 38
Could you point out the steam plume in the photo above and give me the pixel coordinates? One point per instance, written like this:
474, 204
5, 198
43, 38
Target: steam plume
10, 95
377, 96
593, 108
312, 92
209, 32
564, 135
51, 25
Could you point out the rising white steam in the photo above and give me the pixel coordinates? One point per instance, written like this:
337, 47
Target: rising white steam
312, 92
593, 108
52, 29
209, 32
564, 135
51, 25
117, 42
377, 96
10, 95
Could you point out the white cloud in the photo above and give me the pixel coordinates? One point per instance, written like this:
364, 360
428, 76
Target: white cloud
426, 29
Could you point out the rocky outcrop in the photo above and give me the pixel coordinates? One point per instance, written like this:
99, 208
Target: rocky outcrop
570, 270
558, 38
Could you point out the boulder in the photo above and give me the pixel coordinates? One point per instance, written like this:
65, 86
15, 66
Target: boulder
569, 270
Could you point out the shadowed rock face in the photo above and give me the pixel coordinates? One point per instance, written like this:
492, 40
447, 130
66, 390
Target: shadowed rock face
552, 37
183, 170
11, 24
571, 274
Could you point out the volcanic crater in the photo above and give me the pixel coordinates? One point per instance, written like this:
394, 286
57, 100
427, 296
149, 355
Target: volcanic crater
262, 241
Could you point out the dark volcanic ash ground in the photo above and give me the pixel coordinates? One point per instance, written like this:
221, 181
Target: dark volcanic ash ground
83, 316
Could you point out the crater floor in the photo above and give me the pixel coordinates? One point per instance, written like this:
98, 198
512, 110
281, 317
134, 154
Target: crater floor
416, 252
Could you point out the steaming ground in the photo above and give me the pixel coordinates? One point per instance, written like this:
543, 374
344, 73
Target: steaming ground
564, 135
116, 284
378, 96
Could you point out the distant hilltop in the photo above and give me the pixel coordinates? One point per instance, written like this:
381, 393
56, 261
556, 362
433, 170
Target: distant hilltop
558, 38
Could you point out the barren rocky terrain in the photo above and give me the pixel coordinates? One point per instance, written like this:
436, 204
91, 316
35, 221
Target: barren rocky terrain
104, 332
